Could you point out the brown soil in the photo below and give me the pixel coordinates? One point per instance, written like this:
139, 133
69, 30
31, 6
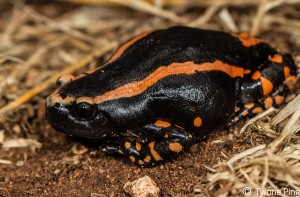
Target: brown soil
58, 168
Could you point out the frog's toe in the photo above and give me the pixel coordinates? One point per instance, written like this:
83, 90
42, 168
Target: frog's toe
112, 149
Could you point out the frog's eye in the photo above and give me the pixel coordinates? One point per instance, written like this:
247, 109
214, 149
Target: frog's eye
84, 110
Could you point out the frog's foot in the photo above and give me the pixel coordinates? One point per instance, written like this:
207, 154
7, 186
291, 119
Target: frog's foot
266, 87
171, 140
276, 98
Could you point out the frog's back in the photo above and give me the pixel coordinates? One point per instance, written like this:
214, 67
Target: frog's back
140, 57
194, 67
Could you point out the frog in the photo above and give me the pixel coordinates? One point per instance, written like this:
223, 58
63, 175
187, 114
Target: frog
165, 90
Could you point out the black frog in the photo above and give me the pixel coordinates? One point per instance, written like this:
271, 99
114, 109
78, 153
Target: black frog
164, 90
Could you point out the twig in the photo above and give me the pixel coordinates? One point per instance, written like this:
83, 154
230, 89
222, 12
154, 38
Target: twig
258, 18
36, 55
228, 20
259, 116
206, 16
248, 178
53, 24
266, 173
16, 20
245, 153
4, 57
140, 5
149, 8
272, 4
6, 190
200, 3
4, 161
292, 126
44, 85
287, 111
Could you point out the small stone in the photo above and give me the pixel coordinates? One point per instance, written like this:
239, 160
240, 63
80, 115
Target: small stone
17, 129
142, 187
57, 171
20, 163
78, 149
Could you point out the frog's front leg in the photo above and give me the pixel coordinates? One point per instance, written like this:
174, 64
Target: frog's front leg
163, 141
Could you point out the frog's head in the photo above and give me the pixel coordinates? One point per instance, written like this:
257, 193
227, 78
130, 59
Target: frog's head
76, 114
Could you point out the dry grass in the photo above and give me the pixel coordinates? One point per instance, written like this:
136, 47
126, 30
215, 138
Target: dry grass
272, 167
38, 45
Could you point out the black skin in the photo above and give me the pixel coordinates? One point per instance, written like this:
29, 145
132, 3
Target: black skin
175, 99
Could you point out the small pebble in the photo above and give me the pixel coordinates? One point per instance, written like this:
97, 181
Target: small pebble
57, 171
20, 163
142, 187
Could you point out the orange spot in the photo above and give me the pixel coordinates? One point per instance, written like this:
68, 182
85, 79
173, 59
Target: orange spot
277, 58
140, 162
138, 146
161, 123
287, 71
290, 81
127, 44
127, 145
175, 147
166, 136
247, 71
132, 158
256, 75
268, 102
249, 105
188, 68
197, 122
279, 99
247, 39
155, 155
245, 113
257, 110
147, 159
267, 86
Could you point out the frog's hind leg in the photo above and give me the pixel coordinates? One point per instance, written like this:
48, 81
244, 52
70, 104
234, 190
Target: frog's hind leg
266, 87
249, 109
164, 141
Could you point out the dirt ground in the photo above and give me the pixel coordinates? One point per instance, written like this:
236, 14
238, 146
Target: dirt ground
65, 167
42, 162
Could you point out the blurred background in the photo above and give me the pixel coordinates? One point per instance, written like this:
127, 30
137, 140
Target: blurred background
43, 39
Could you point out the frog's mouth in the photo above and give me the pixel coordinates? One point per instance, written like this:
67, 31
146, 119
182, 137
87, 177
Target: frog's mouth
71, 131
61, 120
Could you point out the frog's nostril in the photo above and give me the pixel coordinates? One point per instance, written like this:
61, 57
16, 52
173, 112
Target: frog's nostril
57, 105
63, 95
59, 83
